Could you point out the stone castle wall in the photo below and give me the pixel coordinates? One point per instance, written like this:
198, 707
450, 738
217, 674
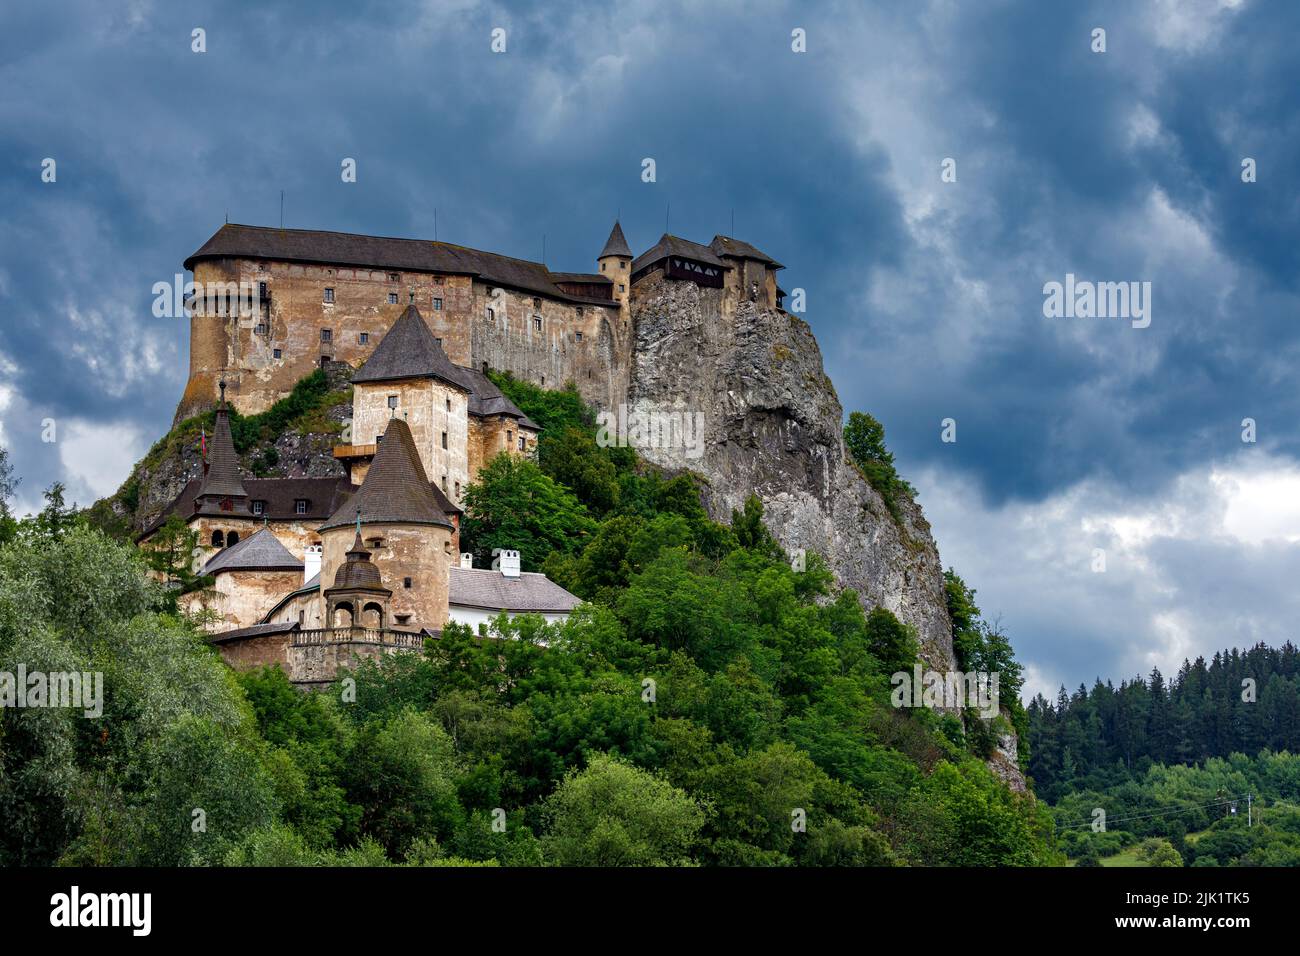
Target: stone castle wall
586, 343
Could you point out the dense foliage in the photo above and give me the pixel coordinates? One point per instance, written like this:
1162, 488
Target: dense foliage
709, 705
864, 439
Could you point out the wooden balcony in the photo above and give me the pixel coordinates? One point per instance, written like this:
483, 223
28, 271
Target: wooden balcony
355, 451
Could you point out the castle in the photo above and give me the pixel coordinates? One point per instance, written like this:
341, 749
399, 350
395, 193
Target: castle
312, 573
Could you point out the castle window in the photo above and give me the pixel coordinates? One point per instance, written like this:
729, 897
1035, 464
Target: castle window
522, 441
276, 353
324, 361
444, 439
622, 287
406, 582
375, 543
327, 335
300, 506
577, 336
491, 315
622, 264
448, 404
510, 438
438, 280
392, 401
602, 266
261, 291
444, 484
537, 322
394, 277
329, 295
439, 341
537, 303
232, 539
260, 329
218, 539
365, 338
437, 305
458, 489
259, 507
392, 298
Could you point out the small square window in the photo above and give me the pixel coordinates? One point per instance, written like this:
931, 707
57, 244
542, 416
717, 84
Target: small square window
260, 329
392, 401
406, 582
392, 298
259, 507
277, 353
394, 277
622, 287
439, 341
365, 338
537, 303
437, 305
577, 336
327, 335
329, 295
438, 280
622, 264
300, 506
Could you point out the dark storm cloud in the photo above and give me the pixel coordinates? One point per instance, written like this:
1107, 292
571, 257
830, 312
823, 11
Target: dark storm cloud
926, 297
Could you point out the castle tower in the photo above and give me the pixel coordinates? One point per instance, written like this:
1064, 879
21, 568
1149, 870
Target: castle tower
358, 597
222, 493
396, 514
410, 377
616, 262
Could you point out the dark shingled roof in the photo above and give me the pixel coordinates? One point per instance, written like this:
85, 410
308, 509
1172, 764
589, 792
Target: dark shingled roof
590, 278
493, 591
726, 246
676, 246
396, 489
357, 573
486, 399
221, 481
341, 248
615, 245
256, 630
260, 551
323, 497
408, 350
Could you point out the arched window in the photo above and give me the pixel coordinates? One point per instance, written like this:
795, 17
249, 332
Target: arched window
218, 539
372, 615
232, 539
343, 615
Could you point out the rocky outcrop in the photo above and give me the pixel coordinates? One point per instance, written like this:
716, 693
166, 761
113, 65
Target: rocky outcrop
773, 427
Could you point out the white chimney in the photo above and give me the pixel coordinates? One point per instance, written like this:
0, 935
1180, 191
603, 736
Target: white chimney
311, 562
509, 563
466, 560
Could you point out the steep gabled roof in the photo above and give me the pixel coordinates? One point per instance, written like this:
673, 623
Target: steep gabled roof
280, 497
677, 246
408, 350
738, 249
260, 551
486, 399
616, 244
222, 478
493, 591
396, 489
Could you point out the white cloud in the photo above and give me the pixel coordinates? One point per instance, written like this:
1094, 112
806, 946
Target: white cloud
97, 457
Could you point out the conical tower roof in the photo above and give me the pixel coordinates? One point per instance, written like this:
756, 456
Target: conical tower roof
396, 489
221, 481
408, 350
616, 244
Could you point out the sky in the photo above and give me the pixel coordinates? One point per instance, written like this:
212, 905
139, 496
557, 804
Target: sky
1078, 439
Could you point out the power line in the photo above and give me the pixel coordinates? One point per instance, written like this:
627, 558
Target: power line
1168, 811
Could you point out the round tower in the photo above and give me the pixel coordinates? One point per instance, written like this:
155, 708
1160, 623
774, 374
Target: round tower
615, 262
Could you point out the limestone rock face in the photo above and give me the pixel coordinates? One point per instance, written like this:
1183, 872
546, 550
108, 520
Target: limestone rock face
772, 426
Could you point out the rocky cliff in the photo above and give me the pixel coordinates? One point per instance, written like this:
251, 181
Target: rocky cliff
773, 427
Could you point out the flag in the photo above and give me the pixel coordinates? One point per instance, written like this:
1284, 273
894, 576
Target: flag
203, 443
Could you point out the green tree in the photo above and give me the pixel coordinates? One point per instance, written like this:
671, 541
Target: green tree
613, 814
890, 641
512, 504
